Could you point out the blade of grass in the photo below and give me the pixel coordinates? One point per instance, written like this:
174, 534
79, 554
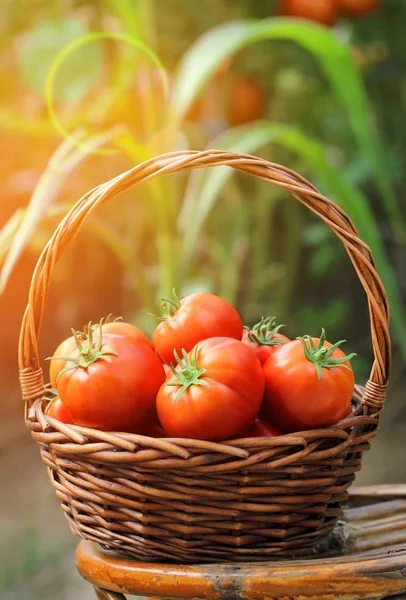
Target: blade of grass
333, 56
123, 252
8, 232
62, 163
163, 218
353, 201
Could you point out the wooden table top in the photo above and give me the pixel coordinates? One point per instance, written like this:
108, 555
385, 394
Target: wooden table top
374, 568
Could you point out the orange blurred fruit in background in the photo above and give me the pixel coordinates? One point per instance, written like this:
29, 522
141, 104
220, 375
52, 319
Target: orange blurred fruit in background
358, 7
321, 11
247, 101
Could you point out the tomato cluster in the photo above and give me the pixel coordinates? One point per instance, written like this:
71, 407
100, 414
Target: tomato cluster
203, 376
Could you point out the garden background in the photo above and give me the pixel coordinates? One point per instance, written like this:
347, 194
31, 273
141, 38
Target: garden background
90, 88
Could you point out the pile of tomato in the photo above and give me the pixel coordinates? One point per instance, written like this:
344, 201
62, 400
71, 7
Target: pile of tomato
202, 376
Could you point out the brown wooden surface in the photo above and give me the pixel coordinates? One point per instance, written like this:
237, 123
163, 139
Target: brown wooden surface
375, 568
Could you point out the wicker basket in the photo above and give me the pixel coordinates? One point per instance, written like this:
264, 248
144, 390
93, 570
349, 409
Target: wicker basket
195, 501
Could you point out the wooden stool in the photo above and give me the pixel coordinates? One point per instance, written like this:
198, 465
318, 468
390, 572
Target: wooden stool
374, 568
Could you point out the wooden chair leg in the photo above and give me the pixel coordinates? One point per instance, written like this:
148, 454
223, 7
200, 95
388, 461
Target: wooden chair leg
106, 595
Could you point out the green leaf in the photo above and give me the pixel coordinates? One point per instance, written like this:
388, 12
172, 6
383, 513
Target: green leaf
79, 72
334, 58
204, 187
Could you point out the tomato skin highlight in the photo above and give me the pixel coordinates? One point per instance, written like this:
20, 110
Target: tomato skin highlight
263, 351
167, 369
57, 410
295, 399
262, 428
114, 395
226, 404
199, 316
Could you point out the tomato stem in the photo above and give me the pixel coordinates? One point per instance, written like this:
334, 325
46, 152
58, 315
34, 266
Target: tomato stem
188, 374
321, 356
263, 332
171, 305
89, 353
103, 321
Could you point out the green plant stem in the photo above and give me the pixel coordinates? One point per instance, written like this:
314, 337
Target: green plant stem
130, 264
231, 270
292, 244
162, 218
264, 208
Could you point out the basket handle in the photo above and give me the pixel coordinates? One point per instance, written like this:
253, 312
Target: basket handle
31, 377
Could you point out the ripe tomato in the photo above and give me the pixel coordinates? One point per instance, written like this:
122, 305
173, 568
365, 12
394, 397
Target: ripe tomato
358, 7
264, 338
126, 329
216, 394
320, 11
262, 428
113, 384
247, 102
57, 410
69, 345
192, 319
308, 384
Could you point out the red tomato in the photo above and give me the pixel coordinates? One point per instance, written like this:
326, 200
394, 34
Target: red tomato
247, 101
320, 11
57, 410
69, 345
358, 7
217, 393
262, 428
308, 384
126, 329
264, 338
194, 318
114, 384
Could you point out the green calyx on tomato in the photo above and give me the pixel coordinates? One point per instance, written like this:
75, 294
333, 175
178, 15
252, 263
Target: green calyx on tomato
89, 354
321, 356
263, 332
188, 374
170, 305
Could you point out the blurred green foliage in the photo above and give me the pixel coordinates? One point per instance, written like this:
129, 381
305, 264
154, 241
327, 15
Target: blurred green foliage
333, 112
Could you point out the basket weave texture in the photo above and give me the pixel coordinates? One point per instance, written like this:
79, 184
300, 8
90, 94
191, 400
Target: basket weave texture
194, 501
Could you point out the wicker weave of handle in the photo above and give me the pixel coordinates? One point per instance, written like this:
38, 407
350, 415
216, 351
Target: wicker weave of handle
189, 500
